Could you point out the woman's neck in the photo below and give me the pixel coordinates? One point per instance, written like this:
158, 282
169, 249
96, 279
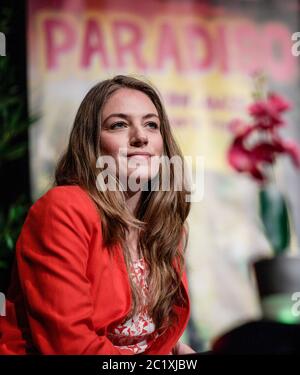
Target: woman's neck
133, 200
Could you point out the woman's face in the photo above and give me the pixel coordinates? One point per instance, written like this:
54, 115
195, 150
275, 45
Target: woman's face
130, 133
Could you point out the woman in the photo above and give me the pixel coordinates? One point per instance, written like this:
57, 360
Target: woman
101, 270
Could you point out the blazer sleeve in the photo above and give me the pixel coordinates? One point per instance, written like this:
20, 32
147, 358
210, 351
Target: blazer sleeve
52, 254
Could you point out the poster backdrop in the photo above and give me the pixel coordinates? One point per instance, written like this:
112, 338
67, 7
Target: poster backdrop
201, 56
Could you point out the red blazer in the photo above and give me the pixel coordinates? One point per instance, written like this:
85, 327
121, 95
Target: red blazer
66, 288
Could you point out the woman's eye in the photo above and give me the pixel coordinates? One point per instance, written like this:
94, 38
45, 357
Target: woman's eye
117, 125
152, 125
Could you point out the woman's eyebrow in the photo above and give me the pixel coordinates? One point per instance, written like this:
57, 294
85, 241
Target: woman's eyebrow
126, 116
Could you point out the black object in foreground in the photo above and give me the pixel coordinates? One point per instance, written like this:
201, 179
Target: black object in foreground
260, 337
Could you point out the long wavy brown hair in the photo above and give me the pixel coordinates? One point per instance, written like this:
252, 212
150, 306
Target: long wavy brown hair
161, 215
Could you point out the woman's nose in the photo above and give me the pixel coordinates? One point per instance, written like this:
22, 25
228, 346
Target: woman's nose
138, 137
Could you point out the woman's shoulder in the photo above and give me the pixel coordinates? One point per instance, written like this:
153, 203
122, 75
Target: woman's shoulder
71, 198
68, 192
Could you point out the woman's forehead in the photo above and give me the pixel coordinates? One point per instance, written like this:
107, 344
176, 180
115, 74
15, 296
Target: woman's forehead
129, 101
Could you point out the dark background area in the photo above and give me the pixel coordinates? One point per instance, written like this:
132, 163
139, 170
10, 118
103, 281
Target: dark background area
14, 174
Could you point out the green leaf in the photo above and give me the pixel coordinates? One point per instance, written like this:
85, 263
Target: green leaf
16, 212
3, 264
275, 219
16, 152
9, 241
